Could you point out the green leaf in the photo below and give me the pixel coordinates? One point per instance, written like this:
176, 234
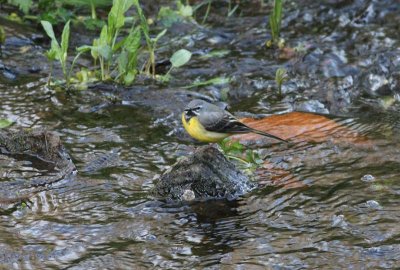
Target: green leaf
93, 49
186, 11
86, 3
116, 16
132, 42
129, 77
273, 26
278, 12
55, 51
51, 55
180, 58
49, 30
160, 35
122, 61
168, 17
103, 40
275, 20
84, 48
105, 51
281, 75
65, 40
5, 123
143, 22
213, 81
2, 35
24, 5
56, 48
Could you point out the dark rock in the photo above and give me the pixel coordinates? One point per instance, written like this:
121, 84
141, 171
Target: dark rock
43, 145
206, 173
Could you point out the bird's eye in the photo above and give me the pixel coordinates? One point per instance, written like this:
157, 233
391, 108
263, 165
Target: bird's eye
196, 109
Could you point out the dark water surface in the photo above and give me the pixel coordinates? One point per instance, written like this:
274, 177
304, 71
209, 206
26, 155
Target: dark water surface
327, 213
107, 219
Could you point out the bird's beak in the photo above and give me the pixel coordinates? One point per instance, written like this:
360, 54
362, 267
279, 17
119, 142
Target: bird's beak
188, 114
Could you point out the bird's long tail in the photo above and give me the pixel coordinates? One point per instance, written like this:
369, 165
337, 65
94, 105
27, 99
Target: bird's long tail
267, 135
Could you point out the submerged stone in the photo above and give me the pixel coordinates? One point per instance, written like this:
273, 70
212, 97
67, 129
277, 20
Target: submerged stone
204, 174
313, 106
368, 178
42, 144
22, 145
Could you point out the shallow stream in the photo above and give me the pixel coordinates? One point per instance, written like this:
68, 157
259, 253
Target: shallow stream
336, 206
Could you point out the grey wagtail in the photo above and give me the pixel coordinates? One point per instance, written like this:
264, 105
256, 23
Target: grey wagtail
207, 122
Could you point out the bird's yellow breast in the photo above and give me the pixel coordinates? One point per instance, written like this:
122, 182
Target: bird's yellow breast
197, 131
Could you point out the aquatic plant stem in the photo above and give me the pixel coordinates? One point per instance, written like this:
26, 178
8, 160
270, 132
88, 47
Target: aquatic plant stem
93, 9
72, 68
102, 68
50, 73
236, 158
207, 11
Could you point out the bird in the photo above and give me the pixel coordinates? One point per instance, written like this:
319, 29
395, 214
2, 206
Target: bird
209, 123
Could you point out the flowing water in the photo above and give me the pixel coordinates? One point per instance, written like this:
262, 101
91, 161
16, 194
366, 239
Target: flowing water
327, 203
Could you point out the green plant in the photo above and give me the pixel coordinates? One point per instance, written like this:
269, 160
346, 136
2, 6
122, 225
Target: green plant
208, 8
207, 11
168, 16
5, 123
179, 58
2, 39
23, 5
117, 57
89, 4
105, 47
280, 77
237, 151
275, 21
57, 51
60, 11
213, 81
127, 59
150, 66
185, 10
231, 10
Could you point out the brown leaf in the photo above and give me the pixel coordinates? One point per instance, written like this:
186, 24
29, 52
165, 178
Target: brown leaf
299, 126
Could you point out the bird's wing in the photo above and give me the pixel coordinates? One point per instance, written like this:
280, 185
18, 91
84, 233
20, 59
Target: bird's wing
222, 122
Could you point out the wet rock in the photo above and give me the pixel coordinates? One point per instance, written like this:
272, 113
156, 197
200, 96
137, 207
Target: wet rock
40, 144
313, 106
377, 85
368, 178
7, 73
339, 95
382, 76
333, 66
339, 221
204, 174
373, 204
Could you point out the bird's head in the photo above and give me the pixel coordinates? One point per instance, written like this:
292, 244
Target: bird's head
193, 108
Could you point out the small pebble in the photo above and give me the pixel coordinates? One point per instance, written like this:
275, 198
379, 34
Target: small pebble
373, 204
368, 178
188, 195
338, 221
